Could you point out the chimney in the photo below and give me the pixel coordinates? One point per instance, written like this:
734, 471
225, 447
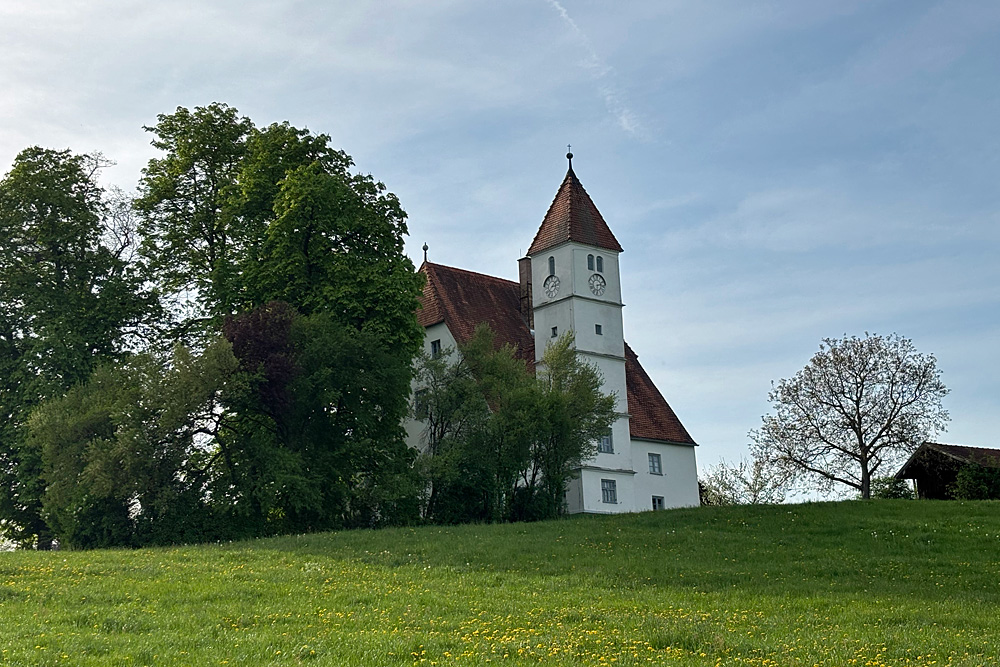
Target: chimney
524, 274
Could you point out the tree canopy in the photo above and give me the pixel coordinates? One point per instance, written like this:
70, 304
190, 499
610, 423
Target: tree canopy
857, 409
502, 443
69, 301
227, 353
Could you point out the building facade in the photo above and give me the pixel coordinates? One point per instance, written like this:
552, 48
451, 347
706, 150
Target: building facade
570, 280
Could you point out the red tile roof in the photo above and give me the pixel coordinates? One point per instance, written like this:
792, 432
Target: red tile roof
652, 417
573, 217
462, 299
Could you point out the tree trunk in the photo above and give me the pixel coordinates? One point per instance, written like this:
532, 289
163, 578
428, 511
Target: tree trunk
866, 481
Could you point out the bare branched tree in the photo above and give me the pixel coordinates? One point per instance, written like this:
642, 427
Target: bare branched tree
858, 408
756, 481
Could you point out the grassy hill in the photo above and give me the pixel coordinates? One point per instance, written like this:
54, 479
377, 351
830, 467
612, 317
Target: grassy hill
838, 584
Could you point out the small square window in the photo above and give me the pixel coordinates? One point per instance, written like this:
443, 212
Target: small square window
598, 330
609, 491
605, 445
555, 332
658, 503
655, 465
435, 348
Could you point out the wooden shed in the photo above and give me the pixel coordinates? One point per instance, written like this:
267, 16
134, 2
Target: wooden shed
934, 467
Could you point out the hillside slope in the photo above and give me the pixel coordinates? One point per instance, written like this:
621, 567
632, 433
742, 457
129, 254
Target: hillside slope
854, 583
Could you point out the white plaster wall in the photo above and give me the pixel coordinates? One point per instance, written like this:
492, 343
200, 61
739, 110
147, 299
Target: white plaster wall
415, 430
581, 274
574, 495
593, 501
621, 458
586, 313
565, 271
613, 372
679, 482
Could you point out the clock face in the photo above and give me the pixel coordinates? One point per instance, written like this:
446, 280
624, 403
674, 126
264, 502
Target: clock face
597, 284
551, 286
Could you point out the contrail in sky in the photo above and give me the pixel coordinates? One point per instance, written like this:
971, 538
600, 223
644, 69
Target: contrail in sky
600, 70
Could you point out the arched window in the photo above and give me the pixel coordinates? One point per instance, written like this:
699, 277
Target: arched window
600, 264
590, 262
552, 266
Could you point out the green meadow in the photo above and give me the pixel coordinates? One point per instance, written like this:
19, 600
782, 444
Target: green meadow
853, 583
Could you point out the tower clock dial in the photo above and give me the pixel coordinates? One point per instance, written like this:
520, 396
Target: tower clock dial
551, 286
597, 284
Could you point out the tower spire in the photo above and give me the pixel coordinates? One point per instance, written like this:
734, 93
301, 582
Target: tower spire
569, 155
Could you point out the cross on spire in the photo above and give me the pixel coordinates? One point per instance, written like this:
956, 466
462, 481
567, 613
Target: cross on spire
569, 155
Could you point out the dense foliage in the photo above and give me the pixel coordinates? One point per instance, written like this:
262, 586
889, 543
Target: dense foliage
502, 442
226, 354
229, 354
974, 482
69, 301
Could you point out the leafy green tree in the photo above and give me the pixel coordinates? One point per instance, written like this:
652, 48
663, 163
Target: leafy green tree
974, 482
128, 456
890, 488
185, 199
576, 414
501, 444
240, 216
68, 301
315, 440
481, 407
244, 219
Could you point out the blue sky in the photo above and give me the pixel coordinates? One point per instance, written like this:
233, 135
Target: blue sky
777, 172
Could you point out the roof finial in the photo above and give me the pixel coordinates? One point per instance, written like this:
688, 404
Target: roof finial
425, 252
569, 155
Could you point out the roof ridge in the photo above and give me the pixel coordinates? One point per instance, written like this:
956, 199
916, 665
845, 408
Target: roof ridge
471, 273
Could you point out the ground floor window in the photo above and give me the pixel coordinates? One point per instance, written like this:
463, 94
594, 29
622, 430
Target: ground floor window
609, 491
658, 502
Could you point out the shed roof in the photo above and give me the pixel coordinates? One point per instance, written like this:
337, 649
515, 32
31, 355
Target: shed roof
982, 456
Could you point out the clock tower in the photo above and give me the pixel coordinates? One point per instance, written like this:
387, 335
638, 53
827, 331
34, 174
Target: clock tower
577, 288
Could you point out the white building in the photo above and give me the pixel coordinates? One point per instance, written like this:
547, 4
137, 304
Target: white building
570, 281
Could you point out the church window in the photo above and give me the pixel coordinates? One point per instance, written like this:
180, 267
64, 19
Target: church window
658, 503
598, 330
655, 465
605, 445
600, 264
421, 404
590, 262
435, 348
609, 491
552, 266
555, 332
